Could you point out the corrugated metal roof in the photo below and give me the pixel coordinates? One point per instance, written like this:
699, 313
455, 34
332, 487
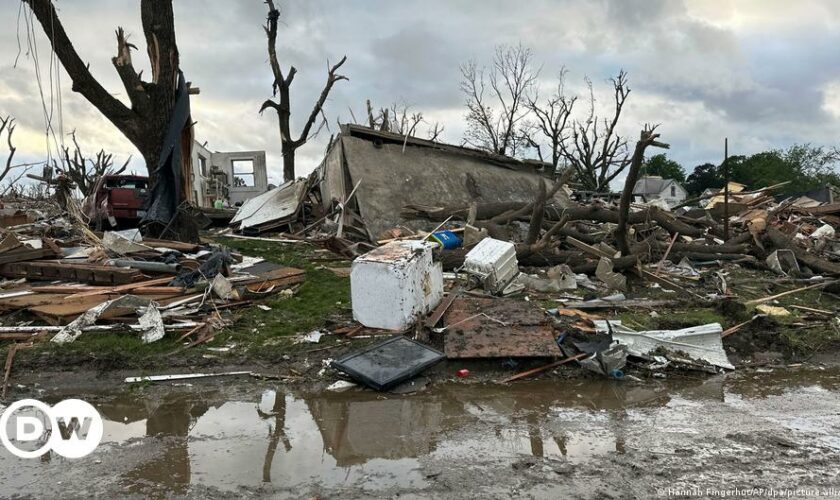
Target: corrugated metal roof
279, 203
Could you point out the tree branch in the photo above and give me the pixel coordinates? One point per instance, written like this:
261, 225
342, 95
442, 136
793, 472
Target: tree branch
10, 123
130, 78
332, 77
83, 82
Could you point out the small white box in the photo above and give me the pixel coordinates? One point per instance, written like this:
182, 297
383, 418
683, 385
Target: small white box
494, 261
391, 286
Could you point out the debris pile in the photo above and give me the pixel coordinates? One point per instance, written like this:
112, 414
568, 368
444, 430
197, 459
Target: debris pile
61, 280
499, 231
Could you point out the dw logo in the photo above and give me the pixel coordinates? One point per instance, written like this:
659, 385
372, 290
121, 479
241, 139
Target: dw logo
29, 428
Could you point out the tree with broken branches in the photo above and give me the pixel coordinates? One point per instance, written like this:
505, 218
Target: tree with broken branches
496, 100
146, 121
7, 125
280, 90
647, 138
596, 150
85, 171
400, 119
549, 123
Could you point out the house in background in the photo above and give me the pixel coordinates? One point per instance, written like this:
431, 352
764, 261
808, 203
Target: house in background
656, 188
231, 176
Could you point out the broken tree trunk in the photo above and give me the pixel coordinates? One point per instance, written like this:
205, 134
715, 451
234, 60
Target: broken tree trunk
535, 225
146, 122
647, 138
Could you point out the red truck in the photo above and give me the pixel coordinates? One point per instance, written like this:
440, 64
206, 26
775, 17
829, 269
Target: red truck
118, 199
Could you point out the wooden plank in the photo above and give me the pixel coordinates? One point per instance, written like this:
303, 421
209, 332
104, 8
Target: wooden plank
33, 299
128, 287
25, 254
543, 368
440, 310
282, 277
16, 336
593, 251
497, 328
52, 270
65, 312
175, 245
789, 292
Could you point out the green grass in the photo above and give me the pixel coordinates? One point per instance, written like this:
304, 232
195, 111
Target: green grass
672, 319
257, 334
322, 297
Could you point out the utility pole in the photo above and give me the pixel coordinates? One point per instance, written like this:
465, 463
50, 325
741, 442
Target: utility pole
726, 189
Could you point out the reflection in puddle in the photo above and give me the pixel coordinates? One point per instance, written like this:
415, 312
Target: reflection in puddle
375, 441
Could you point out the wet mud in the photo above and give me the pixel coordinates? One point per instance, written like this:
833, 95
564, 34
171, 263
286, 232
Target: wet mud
542, 439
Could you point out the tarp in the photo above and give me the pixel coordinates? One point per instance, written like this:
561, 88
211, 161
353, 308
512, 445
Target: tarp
166, 193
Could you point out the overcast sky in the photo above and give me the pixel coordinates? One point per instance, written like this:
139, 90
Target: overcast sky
764, 73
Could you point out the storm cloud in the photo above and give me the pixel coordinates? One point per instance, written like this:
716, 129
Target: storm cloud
764, 73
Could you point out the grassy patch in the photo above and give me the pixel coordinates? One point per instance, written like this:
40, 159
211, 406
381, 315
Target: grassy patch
671, 319
322, 297
813, 338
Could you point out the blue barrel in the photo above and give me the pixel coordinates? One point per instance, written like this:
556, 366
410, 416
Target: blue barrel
447, 239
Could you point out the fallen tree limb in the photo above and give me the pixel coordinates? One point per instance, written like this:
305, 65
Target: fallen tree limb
543, 368
485, 213
619, 263
703, 248
789, 292
818, 264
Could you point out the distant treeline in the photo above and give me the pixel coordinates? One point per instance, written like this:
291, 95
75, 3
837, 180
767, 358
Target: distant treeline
804, 166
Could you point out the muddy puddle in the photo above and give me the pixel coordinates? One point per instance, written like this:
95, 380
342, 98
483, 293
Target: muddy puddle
235, 439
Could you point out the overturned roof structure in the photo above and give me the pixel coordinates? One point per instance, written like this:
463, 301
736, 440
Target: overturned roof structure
384, 172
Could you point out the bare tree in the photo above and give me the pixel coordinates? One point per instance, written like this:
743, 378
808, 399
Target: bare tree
8, 125
147, 121
434, 132
400, 119
597, 152
497, 103
85, 171
549, 125
280, 88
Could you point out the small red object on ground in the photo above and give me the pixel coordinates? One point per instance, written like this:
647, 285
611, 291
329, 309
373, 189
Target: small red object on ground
462, 373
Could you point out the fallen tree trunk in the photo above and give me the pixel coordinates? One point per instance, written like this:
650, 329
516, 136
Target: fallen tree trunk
575, 213
780, 240
707, 256
701, 248
619, 263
